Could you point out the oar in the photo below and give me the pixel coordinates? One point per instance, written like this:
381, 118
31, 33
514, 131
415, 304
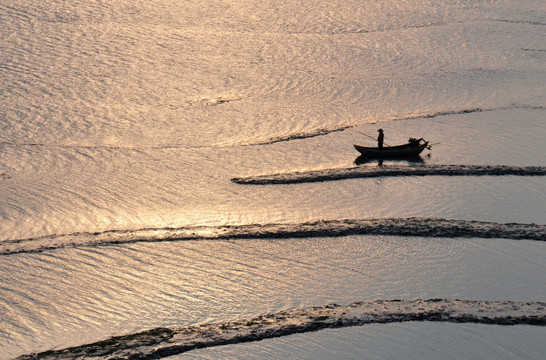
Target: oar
371, 137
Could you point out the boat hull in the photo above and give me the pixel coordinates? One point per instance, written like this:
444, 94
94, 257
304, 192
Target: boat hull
400, 151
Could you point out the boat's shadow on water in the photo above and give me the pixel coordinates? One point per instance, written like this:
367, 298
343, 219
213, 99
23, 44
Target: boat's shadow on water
415, 160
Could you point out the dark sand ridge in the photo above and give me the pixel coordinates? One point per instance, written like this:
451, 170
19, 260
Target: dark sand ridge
390, 171
162, 342
422, 227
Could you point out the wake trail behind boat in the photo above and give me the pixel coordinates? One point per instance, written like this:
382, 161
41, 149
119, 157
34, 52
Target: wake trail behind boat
162, 342
390, 171
421, 227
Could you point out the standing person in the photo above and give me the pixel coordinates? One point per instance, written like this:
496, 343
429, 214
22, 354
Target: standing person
380, 138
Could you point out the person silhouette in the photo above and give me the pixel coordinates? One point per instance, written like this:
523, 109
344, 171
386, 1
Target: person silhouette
380, 138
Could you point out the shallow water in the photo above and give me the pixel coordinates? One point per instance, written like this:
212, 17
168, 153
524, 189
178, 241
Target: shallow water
126, 118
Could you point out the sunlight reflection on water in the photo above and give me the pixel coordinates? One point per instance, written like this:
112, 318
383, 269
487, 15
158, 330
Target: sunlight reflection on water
120, 116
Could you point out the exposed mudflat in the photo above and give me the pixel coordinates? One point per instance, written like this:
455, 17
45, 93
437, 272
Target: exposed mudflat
424, 227
387, 171
162, 342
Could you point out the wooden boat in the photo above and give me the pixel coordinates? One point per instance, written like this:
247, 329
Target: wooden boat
413, 148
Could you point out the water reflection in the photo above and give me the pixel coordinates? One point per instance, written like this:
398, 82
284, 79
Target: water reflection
417, 160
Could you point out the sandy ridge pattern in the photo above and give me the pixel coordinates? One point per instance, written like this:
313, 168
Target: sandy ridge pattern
389, 171
422, 227
162, 342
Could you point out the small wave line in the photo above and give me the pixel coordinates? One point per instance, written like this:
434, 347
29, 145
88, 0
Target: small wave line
326, 131
270, 141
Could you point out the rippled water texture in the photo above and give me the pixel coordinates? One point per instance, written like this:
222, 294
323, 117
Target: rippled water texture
123, 123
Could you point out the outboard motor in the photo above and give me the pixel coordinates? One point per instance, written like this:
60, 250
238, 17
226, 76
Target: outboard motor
414, 142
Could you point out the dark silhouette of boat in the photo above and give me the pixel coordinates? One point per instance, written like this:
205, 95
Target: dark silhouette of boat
413, 148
